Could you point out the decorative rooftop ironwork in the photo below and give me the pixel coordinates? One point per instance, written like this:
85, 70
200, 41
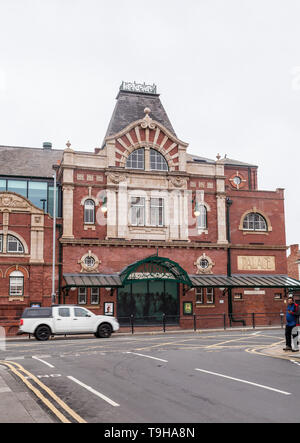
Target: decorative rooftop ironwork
138, 87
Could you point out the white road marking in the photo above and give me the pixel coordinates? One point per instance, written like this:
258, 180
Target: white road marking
43, 361
108, 400
15, 358
244, 381
148, 356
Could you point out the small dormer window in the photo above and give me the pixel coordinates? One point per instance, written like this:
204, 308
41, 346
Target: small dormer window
136, 159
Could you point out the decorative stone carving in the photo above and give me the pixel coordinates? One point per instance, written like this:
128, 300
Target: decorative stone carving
116, 178
178, 182
13, 202
89, 262
204, 264
147, 120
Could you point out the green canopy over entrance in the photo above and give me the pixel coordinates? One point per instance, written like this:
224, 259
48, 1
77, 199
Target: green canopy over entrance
155, 268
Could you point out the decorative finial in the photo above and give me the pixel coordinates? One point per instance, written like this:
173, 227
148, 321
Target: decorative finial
68, 144
147, 111
218, 156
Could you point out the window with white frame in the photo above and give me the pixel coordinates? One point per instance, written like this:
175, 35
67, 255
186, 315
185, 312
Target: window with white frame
157, 161
137, 209
136, 159
202, 217
82, 296
14, 245
254, 222
16, 284
199, 295
209, 295
205, 296
94, 296
157, 212
89, 212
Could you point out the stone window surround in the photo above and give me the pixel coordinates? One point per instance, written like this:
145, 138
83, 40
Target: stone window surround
262, 213
5, 233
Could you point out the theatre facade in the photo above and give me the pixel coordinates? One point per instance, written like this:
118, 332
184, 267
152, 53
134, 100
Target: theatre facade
148, 231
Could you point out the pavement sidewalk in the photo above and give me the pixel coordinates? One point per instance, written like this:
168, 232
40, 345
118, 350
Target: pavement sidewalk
17, 405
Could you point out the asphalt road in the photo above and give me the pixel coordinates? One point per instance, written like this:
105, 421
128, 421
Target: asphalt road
171, 378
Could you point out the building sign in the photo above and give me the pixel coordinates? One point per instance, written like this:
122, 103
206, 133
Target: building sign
187, 308
148, 271
256, 263
138, 87
150, 275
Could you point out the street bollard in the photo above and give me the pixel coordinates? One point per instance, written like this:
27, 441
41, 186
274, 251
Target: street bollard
131, 322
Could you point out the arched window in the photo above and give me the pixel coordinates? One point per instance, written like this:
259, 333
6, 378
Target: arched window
202, 217
89, 212
254, 222
14, 245
136, 159
16, 284
157, 161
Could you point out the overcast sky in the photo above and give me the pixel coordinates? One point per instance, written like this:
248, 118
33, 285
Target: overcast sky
228, 72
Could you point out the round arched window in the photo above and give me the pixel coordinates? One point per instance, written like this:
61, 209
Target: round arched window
254, 222
136, 159
157, 161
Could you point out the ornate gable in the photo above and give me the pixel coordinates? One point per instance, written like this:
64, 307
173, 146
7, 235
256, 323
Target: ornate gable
146, 133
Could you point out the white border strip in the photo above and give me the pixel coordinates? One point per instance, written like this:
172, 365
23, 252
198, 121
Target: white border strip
108, 400
243, 381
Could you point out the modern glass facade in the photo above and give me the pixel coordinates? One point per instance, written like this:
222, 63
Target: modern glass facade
39, 192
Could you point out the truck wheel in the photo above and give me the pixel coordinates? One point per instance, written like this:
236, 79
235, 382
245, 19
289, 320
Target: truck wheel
104, 331
42, 333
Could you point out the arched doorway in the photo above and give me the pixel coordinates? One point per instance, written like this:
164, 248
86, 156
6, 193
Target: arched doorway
150, 289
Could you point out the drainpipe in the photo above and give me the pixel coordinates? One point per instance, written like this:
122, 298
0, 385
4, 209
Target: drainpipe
60, 261
230, 313
228, 204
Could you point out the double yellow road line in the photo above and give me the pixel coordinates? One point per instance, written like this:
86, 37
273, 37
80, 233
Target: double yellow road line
24, 375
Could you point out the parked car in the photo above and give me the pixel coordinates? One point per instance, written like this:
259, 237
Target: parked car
65, 320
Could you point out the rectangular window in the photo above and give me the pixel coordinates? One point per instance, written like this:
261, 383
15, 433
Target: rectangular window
37, 194
1, 242
137, 209
16, 285
199, 295
51, 200
210, 295
2, 185
278, 296
18, 186
94, 296
82, 296
157, 212
238, 296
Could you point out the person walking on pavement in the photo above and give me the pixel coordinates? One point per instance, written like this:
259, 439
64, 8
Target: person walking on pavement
291, 317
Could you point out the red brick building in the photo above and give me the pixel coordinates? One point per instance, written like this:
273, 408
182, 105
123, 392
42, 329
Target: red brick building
151, 231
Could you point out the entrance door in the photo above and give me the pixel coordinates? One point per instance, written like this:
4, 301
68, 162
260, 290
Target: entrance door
147, 301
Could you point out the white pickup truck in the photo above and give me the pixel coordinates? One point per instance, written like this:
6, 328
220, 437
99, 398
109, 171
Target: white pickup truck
65, 320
